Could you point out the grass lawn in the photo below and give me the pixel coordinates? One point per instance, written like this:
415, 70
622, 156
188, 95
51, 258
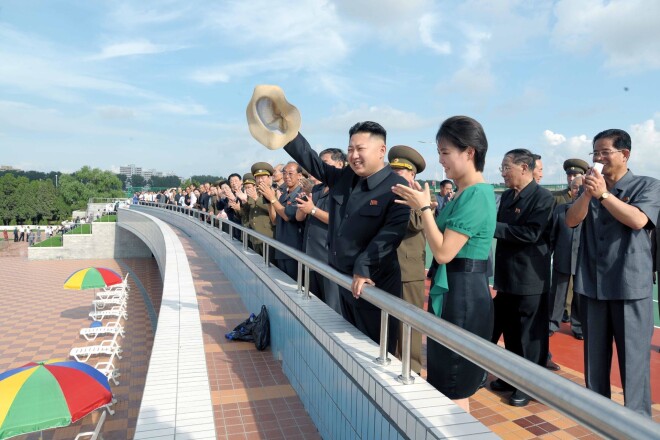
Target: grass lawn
55, 241
107, 218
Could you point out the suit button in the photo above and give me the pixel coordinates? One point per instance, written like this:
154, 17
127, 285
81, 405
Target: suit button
346, 216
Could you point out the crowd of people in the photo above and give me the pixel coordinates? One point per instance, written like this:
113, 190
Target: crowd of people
363, 213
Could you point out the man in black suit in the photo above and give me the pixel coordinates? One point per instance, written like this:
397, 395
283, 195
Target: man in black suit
365, 224
522, 265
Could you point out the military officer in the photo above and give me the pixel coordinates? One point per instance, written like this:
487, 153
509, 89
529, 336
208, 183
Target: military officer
573, 168
259, 216
407, 163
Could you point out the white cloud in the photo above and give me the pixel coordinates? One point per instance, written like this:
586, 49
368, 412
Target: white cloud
645, 154
131, 48
178, 108
554, 139
427, 23
115, 112
390, 118
146, 13
626, 31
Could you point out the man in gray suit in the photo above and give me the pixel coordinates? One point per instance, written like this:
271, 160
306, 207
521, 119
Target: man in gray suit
564, 243
614, 275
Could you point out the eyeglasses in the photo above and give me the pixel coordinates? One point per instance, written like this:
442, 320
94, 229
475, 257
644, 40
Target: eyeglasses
605, 153
505, 169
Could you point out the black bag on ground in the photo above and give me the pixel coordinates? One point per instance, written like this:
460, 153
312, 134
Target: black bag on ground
243, 331
261, 330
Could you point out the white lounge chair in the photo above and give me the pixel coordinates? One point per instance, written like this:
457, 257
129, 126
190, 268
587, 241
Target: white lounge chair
109, 294
100, 315
109, 370
107, 347
103, 303
90, 333
96, 434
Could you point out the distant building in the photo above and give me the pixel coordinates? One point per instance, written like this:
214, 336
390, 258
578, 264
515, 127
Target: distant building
8, 168
129, 170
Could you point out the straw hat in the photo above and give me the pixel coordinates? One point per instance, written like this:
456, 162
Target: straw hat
273, 122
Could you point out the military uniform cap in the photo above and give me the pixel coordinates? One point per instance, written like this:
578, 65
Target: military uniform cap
249, 178
262, 169
575, 166
402, 156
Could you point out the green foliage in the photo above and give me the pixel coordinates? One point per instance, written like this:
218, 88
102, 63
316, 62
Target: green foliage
198, 180
23, 200
54, 241
138, 180
165, 181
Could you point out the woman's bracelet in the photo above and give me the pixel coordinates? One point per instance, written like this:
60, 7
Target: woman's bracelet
424, 208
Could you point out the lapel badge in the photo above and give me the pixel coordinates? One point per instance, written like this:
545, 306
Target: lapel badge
373, 202
626, 199
516, 211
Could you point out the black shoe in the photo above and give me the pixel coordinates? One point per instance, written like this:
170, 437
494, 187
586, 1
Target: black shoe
552, 366
565, 317
578, 335
518, 398
499, 385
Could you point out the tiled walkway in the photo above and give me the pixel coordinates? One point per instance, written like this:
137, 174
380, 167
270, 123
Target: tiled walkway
252, 399
251, 396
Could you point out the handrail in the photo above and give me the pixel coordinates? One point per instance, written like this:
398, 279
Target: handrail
596, 412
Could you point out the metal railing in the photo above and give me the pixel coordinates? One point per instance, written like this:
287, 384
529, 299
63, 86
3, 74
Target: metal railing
594, 411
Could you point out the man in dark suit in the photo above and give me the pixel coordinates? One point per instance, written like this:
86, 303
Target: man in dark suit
522, 265
365, 224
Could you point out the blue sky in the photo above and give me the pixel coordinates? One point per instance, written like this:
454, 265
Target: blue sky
164, 84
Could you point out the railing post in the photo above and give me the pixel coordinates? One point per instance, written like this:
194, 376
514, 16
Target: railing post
300, 277
244, 234
405, 377
231, 231
383, 359
307, 295
266, 255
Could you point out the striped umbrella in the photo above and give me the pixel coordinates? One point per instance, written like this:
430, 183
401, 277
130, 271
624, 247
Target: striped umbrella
49, 394
92, 278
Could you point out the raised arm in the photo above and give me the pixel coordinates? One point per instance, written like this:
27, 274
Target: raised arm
300, 151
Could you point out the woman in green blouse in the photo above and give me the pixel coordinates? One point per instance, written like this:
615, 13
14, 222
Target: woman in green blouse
460, 239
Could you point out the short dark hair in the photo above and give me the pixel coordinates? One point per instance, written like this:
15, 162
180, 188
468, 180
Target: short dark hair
234, 175
620, 138
463, 132
335, 154
522, 156
446, 181
536, 156
373, 128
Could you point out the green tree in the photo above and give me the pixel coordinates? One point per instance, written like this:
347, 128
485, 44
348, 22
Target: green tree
165, 181
198, 180
15, 203
76, 189
122, 178
137, 180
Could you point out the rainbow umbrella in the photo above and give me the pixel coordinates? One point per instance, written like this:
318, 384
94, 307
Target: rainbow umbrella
92, 278
49, 394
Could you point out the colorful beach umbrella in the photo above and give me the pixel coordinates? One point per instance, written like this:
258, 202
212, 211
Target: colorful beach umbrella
49, 394
92, 278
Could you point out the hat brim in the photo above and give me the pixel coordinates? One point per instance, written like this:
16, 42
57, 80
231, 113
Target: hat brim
272, 121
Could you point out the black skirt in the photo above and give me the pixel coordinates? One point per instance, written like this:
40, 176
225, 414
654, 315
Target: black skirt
469, 305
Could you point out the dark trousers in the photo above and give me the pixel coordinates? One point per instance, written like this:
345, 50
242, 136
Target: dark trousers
366, 318
289, 267
629, 323
523, 319
561, 284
